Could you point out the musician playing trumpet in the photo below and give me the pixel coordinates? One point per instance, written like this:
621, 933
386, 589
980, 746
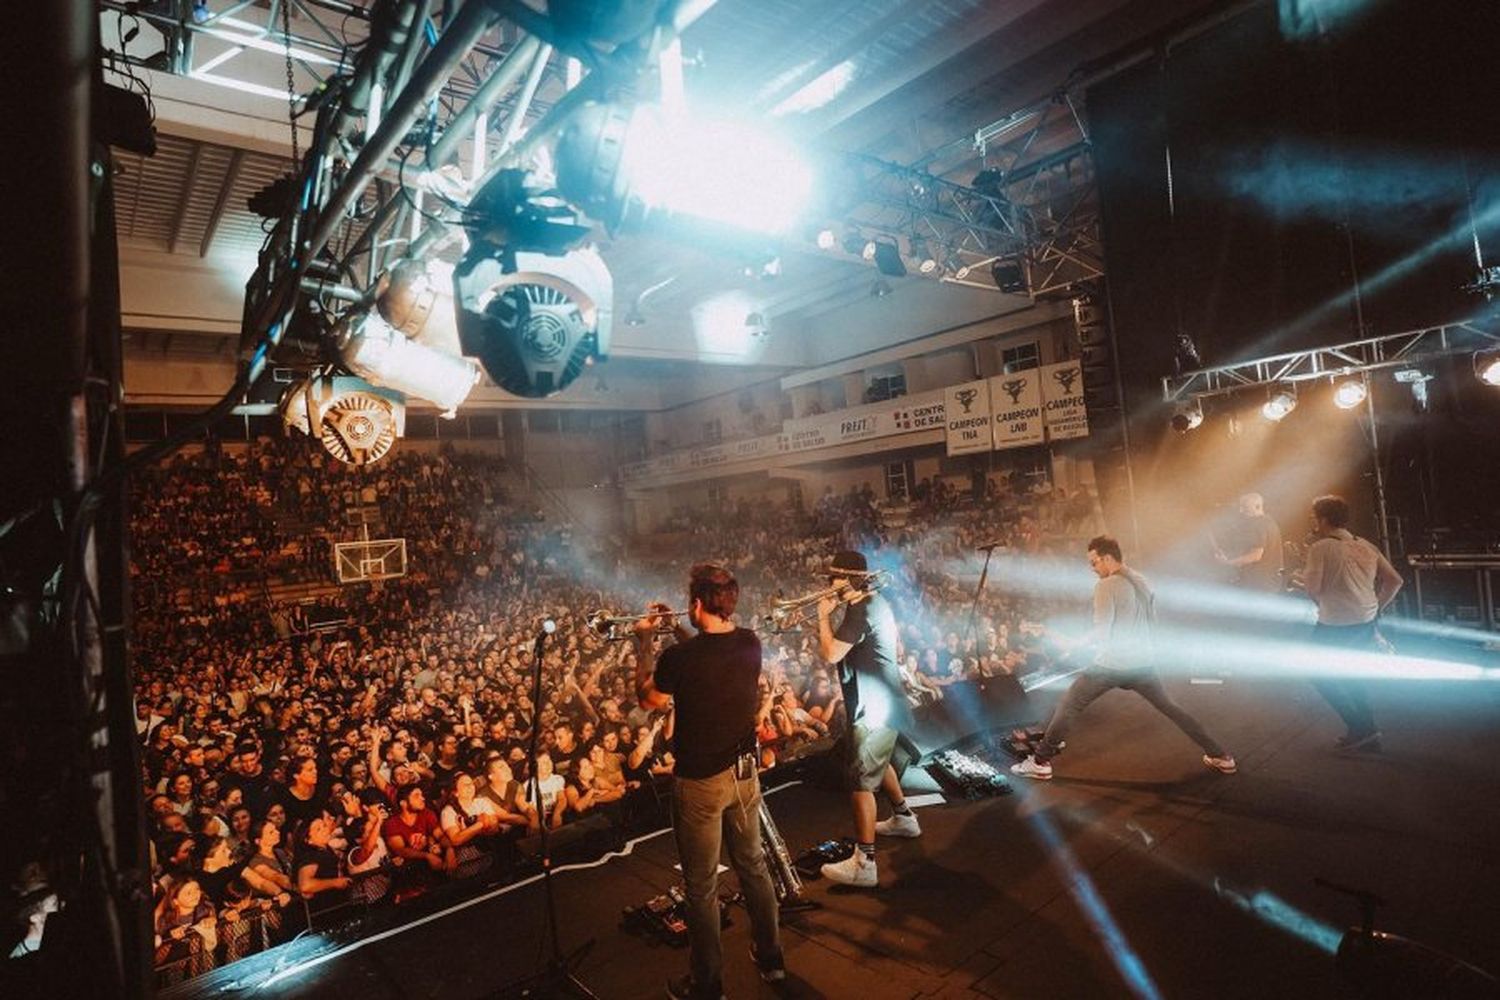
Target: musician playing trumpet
712, 682
863, 647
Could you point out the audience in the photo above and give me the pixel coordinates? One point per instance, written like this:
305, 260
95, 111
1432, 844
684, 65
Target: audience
290, 769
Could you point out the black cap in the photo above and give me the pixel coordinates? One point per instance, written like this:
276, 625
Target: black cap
850, 560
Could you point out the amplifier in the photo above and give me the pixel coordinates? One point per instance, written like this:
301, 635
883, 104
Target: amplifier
1457, 588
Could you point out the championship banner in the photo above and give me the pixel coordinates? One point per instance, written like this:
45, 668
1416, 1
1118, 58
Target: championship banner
968, 411
1017, 402
1063, 410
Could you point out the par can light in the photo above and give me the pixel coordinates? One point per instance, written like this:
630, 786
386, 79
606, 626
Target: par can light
1350, 393
1282, 402
1487, 366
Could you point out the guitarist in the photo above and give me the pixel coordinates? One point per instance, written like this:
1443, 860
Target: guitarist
1124, 616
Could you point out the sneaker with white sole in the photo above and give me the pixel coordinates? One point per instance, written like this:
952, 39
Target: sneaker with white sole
899, 826
1033, 768
1224, 764
772, 970
856, 870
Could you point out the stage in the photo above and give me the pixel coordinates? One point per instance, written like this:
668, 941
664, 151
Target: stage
1136, 870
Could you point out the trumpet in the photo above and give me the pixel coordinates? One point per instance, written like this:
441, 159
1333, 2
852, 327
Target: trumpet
790, 614
617, 628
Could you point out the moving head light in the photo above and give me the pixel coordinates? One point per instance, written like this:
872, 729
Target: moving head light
534, 320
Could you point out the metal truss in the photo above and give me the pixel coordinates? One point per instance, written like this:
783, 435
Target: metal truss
1039, 208
323, 42
1396, 350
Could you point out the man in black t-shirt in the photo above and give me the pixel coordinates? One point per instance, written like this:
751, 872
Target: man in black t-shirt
712, 682
864, 649
1252, 546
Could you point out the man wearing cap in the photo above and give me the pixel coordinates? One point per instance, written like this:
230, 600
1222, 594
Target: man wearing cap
864, 650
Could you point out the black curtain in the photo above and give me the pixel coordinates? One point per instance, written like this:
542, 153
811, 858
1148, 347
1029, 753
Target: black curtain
1253, 177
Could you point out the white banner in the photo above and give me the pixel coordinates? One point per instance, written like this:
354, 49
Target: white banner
968, 418
1063, 409
1017, 402
902, 415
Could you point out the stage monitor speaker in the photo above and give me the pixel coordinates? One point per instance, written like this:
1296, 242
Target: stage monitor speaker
582, 838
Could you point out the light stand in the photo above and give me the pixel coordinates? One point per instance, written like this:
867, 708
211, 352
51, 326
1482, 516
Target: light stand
556, 978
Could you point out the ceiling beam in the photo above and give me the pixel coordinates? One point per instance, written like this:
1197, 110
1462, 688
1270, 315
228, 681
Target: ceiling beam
186, 196
236, 160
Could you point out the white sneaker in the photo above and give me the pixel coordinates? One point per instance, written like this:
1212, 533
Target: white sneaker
899, 826
856, 870
1030, 768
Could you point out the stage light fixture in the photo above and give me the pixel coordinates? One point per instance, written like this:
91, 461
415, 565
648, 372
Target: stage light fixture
755, 322
826, 239
625, 164
869, 250
375, 350
534, 321
1185, 355
356, 422
1487, 366
888, 259
1350, 393
920, 252
1009, 275
1187, 416
1417, 379
1282, 402
853, 242
961, 272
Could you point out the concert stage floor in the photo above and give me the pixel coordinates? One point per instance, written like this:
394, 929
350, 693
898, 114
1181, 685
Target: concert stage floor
1135, 870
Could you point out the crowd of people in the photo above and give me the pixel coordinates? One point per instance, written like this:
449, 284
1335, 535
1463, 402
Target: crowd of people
290, 771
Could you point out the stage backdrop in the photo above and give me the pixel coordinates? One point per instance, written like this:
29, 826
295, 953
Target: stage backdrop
1248, 175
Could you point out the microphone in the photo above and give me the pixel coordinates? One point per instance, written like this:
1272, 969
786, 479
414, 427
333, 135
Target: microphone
547, 625
987, 546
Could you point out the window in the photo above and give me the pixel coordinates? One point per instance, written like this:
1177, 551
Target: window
713, 432
1021, 357
885, 386
899, 478
718, 494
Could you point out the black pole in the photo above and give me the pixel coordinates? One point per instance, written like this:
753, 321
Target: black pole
556, 978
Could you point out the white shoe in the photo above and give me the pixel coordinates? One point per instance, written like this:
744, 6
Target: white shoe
1030, 768
856, 870
899, 826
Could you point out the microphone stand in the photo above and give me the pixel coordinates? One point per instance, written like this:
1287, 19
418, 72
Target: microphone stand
984, 575
556, 979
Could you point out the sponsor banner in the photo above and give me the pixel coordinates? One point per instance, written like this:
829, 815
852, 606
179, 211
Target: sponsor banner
968, 418
1017, 404
918, 416
1063, 410
902, 415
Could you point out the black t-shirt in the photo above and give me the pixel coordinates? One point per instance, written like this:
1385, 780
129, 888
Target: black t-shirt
870, 629
326, 861
713, 679
298, 811
1259, 532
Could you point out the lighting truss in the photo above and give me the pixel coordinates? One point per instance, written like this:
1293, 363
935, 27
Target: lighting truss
1396, 350
323, 40
1043, 209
